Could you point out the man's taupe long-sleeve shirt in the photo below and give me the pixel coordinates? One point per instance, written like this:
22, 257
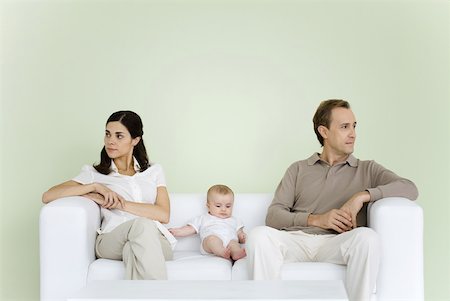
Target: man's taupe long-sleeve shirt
313, 187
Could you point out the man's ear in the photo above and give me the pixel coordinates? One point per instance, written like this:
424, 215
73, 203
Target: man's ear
323, 131
135, 141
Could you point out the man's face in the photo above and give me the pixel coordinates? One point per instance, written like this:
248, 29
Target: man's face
340, 137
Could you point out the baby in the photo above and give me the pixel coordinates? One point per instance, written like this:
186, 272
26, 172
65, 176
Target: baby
220, 232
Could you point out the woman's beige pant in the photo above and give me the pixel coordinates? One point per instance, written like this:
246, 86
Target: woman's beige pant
359, 249
140, 245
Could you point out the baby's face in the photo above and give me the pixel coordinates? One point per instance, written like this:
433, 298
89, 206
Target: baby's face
220, 205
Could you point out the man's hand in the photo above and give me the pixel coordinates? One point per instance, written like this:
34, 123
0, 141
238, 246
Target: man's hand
354, 205
336, 219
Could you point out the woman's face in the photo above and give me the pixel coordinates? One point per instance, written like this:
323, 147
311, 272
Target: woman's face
118, 141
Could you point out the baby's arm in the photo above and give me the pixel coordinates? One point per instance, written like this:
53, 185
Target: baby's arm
241, 235
182, 231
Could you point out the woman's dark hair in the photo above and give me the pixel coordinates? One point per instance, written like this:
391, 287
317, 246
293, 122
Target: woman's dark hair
133, 123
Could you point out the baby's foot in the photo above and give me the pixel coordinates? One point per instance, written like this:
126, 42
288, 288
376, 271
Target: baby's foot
239, 254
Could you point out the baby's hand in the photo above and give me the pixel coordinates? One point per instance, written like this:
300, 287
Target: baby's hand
242, 237
175, 231
182, 231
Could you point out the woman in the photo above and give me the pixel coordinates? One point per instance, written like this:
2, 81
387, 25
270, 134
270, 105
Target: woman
132, 194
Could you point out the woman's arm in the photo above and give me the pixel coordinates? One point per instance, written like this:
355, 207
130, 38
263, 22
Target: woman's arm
71, 188
160, 211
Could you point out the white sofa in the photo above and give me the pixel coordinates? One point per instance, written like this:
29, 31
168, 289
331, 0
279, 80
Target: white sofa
68, 230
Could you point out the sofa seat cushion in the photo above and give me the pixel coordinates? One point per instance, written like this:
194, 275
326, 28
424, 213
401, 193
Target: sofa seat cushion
186, 265
191, 265
297, 271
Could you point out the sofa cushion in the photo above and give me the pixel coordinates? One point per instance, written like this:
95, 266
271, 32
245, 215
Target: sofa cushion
297, 271
186, 265
191, 265
106, 269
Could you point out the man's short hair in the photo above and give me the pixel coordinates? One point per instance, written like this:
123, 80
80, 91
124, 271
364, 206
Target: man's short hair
220, 189
323, 114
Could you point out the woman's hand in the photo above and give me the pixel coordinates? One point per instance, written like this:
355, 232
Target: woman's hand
111, 200
96, 197
100, 200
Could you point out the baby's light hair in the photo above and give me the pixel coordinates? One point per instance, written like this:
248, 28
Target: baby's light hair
220, 189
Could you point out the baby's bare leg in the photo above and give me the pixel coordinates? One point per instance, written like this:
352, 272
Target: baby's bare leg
236, 251
214, 245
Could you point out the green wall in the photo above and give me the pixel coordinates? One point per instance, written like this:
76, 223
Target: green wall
227, 90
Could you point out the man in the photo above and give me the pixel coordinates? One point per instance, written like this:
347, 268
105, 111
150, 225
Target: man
319, 209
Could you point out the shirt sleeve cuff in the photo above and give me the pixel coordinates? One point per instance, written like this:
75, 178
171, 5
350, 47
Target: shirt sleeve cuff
193, 226
301, 219
375, 194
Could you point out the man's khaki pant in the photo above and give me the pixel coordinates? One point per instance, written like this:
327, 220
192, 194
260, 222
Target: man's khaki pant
140, 245
359, 249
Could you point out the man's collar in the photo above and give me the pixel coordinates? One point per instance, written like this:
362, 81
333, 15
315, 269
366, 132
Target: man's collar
136, 166
313, 159
351, 160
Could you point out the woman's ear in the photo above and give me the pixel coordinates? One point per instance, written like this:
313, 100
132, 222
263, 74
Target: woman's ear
135, 141
323, 131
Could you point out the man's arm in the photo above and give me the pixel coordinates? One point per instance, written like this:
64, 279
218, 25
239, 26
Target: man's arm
279, 213
386, 183
354, 205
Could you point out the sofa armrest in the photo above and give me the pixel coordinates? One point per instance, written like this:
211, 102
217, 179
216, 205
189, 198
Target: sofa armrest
399, 222
67, 230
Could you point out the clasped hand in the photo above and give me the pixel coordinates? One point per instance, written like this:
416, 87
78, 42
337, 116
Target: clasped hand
344, 218
106, 198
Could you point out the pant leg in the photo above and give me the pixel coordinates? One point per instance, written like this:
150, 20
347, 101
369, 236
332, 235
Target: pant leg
359, 249
268, 248
140, 245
